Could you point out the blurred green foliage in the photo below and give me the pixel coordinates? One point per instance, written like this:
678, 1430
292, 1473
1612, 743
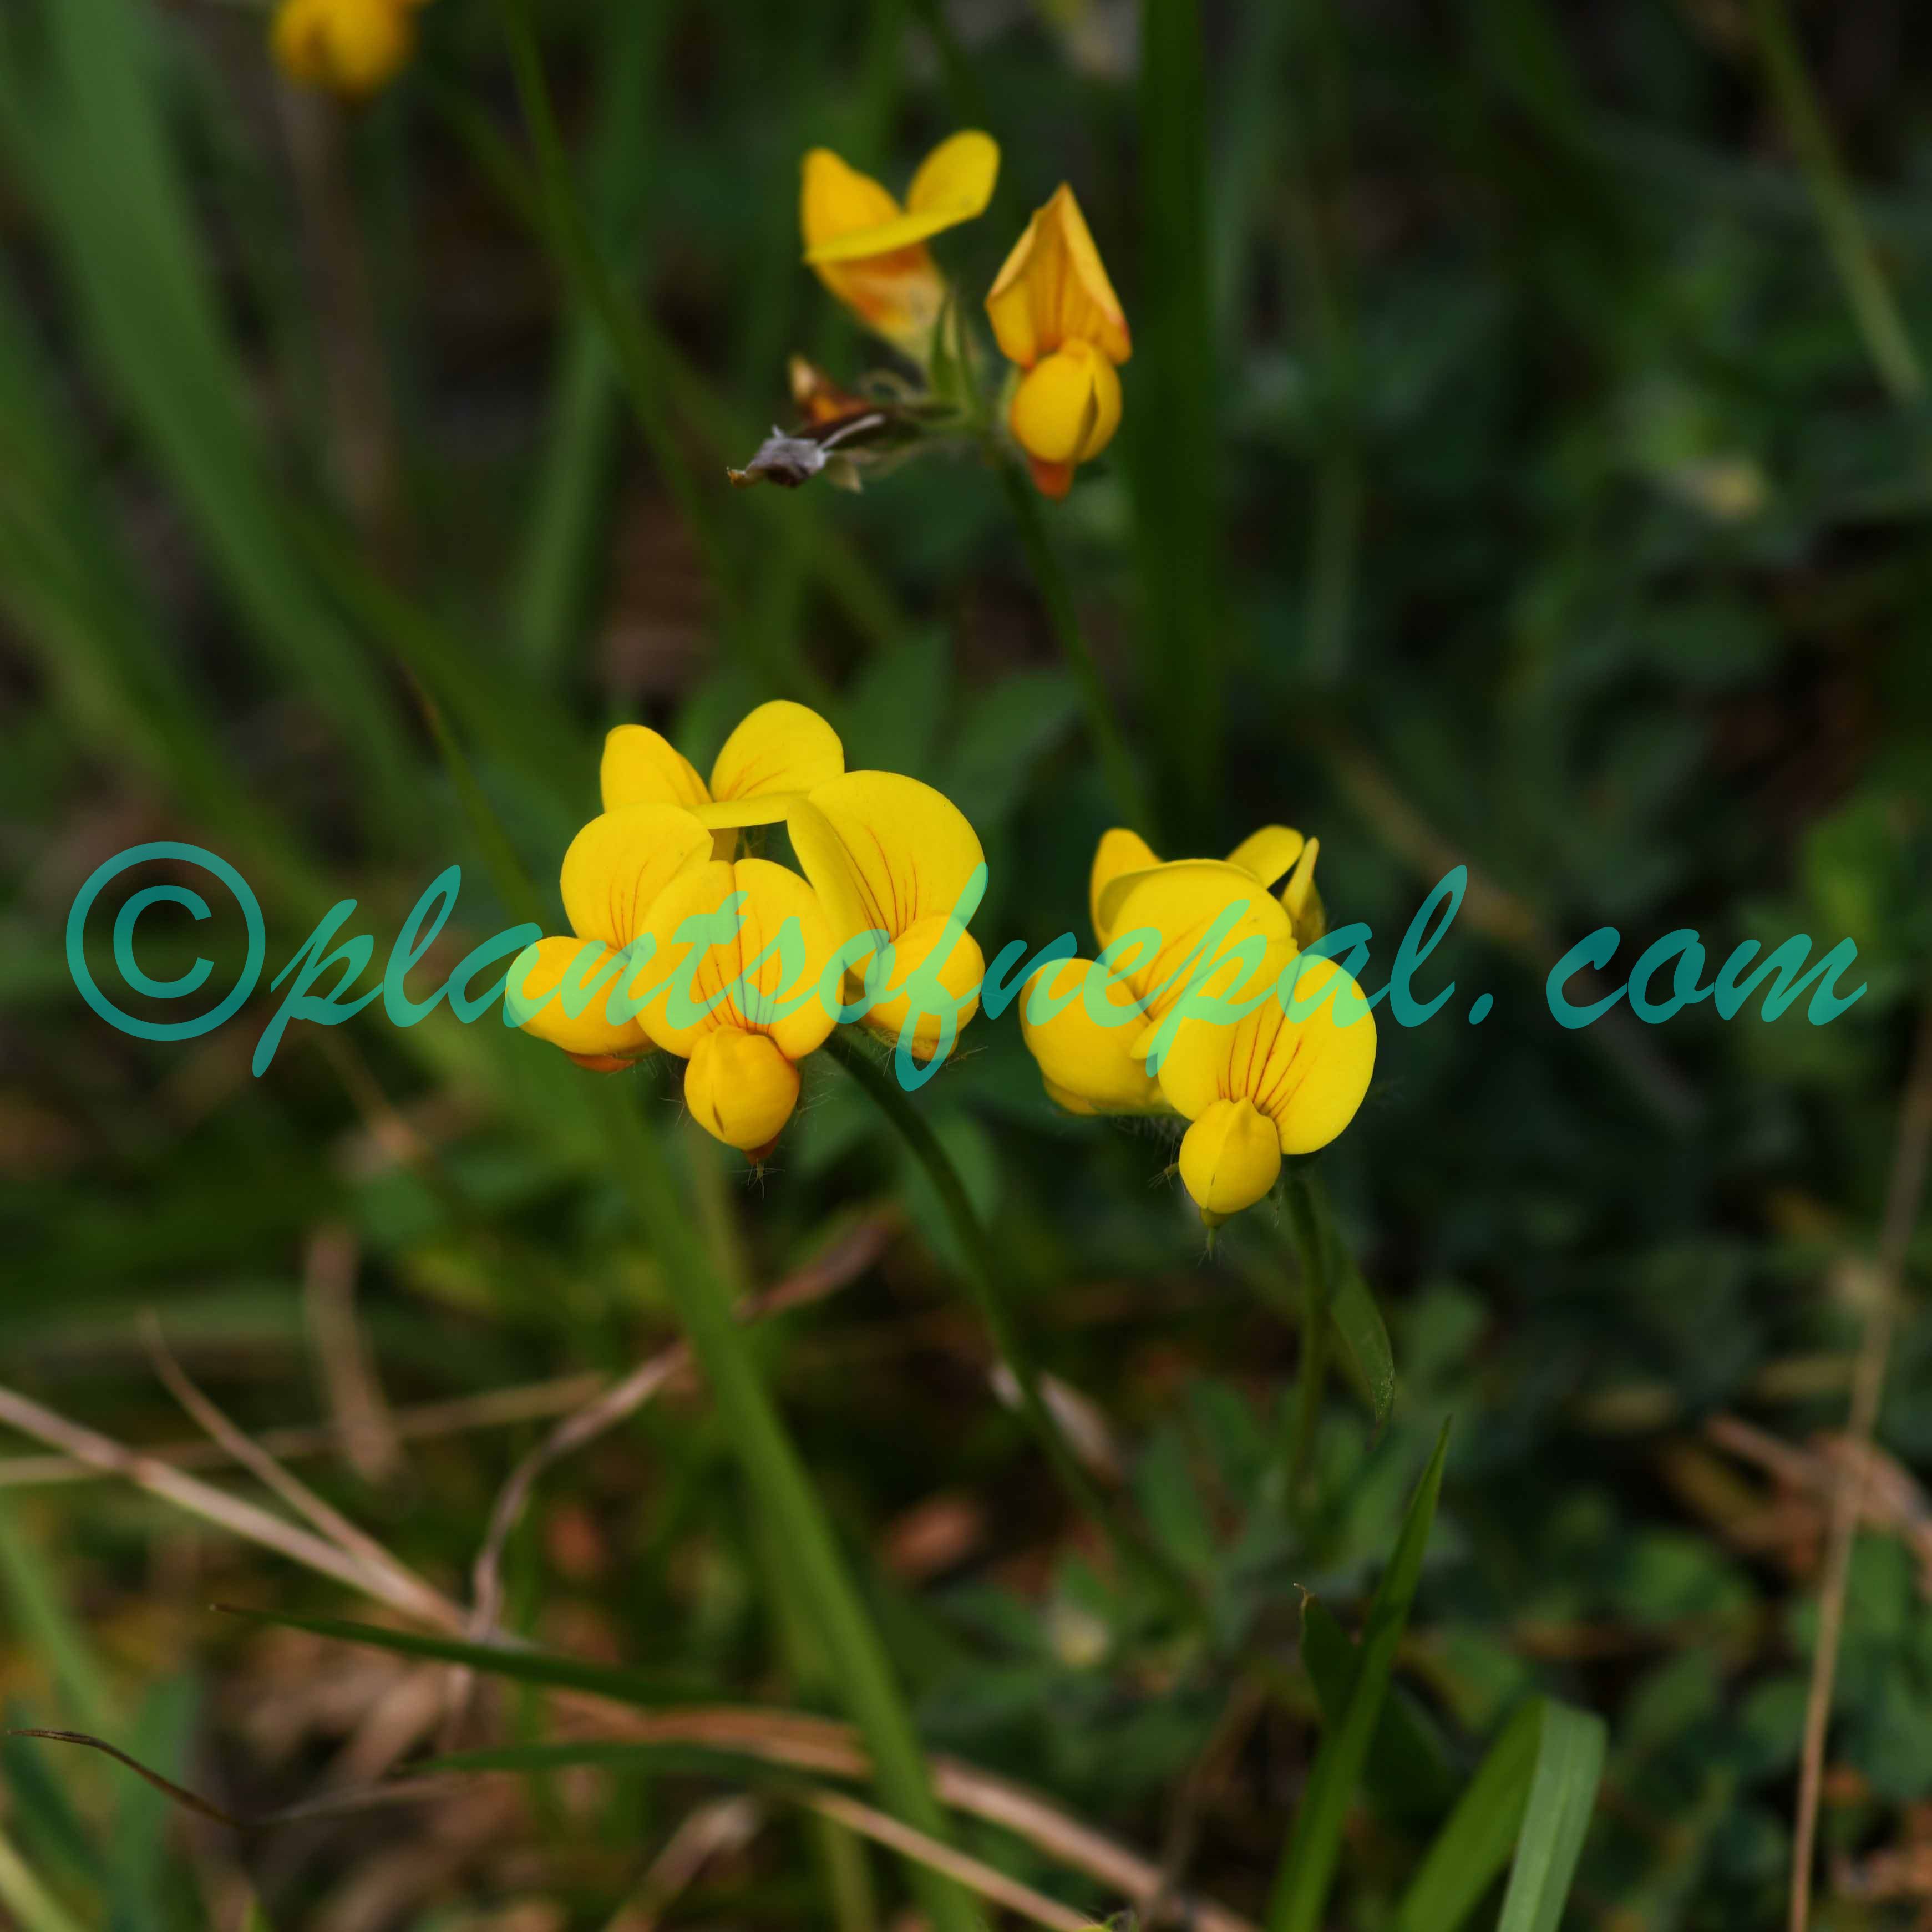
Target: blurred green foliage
1505, 478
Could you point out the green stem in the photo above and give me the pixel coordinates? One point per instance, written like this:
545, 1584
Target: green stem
773, 1465
985, 1270
1122, 778
1171, 434
1306, 1217
1866, 289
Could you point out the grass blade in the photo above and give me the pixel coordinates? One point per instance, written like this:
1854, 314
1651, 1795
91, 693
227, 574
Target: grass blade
1314, 1845
31, 1904
33, 1596
1408, 1770
1532, 1796
1474, 1845
554, 569
647, 1690
1562, 1794
1171, 412
87, 131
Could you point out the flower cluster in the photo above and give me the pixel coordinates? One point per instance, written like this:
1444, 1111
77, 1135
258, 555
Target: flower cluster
354, 48
1054, 313
1225, 1022
1203, 1003
736, 964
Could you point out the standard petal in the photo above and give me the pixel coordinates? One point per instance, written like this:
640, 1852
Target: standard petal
642, 767
955, 182
836, 203
1119, 853
779, 748
1269, 854
884, 851
1053, 289
1009, 302
1306, 1065
1190, 904
620, 862
781, 930
1079, 1058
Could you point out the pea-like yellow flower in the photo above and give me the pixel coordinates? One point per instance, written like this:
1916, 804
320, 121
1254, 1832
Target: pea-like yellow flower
888, 861
889, 855
353, 47
778, 753
870, 253
1181, 944
614, 873
1055, 313
752, 1006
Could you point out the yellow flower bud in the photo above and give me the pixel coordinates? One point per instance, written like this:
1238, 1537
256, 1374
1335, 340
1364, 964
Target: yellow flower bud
1055, 313
1229, 1159
1066, 409
740, 1089
354, 47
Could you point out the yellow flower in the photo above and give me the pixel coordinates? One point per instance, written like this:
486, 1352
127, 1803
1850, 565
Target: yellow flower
871, 253
752, 1007
1185, 945
614, 873
1055, 313
882, 854
354, 47
889, 854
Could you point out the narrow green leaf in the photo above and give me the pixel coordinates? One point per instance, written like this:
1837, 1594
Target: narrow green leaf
1562, 1794
648, 1689
33, 1597
567, 505
1474, 1845
1171, 430
1408, 1771
86, 129
740, 1767
1532, 1796
34, 1907
517, 723
1314, 1845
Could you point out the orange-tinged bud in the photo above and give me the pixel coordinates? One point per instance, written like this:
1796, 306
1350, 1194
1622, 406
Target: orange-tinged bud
1055, 313
740, 1088
1229, 1159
